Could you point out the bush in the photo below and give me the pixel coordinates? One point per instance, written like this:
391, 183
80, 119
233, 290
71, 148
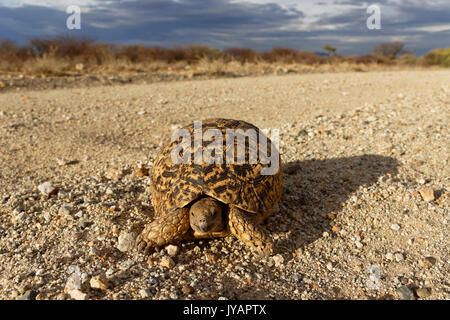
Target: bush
307, 57
242, 55
440, 57
389, 49
286, 55
12, 55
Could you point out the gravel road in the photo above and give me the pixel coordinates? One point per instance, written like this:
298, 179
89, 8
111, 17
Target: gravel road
364, 213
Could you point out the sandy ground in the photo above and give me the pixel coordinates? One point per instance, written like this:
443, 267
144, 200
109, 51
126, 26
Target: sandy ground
365, 207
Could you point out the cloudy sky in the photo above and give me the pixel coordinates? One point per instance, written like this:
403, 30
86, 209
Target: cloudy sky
260, 24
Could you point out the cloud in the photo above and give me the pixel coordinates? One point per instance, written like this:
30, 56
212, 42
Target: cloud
260, 24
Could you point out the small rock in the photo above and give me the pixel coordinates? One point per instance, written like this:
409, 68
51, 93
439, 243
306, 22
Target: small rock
427, 194
28, 295
79, 214
77, 294
278, 260
73, 282
65, 210
47, 188
423, 292
428, 262
330, 266
126, 264
172, 250
186, 289
99, 282
336, 229
406, 293
151, 260
79, 67
114, 174
167, 262
399, 257
145, 293
421, 181
210, 257
389, 256
126, 241
141, 172
395, 227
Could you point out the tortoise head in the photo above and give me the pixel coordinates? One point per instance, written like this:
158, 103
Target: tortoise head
205, 215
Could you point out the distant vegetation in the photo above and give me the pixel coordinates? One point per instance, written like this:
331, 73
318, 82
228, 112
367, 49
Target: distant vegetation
440, 57
72, 54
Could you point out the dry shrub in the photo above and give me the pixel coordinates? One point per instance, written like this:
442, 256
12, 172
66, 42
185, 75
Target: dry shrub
79, 50
439, 57
46, 65
243, 55
306, 57
12, 56
284, 55
190, 54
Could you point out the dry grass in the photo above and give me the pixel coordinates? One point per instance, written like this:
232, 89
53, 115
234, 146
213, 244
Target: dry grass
55, 56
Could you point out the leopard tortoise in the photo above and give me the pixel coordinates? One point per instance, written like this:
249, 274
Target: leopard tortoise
208, 200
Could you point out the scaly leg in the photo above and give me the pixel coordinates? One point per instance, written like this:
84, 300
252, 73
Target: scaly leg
165, 229
245, 227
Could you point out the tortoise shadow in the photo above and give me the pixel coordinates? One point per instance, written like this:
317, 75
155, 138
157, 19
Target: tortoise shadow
314, 192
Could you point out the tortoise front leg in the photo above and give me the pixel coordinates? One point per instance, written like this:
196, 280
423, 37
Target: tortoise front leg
165, 229
244, 226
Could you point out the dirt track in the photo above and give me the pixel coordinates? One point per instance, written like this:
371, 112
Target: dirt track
358, 147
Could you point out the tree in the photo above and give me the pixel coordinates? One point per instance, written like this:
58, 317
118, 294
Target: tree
331, 50
389, 49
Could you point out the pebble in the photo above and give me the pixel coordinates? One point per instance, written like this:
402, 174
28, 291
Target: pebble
79, 214
167, 262
278, 260
114, 174
47, 188
399, 257
99, 282
423, 292
145, 293
141, 172
172, 250
79, 67
73, 282
126, 241
428, 262
210, 257
186, 289
427, 194
335, 228
65, 210
395, 227
28, 295
77, 294
406, 293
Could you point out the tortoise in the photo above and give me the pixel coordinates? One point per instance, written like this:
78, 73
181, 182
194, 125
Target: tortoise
208, 200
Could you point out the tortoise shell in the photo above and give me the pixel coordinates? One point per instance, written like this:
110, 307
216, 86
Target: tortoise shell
176, 185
